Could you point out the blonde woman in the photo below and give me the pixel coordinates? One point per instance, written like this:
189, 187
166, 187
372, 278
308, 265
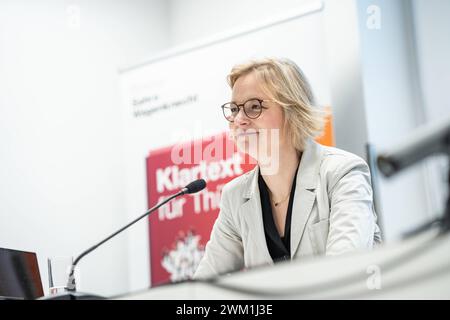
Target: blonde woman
302, 199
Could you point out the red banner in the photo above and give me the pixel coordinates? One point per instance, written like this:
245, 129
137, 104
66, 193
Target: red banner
180, 230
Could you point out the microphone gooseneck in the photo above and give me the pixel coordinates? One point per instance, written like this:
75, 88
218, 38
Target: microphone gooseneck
192, 187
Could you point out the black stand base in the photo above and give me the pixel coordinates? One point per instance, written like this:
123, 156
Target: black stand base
73, 296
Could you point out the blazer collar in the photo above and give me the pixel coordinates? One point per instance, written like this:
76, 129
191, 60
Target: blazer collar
307, 178
307, 175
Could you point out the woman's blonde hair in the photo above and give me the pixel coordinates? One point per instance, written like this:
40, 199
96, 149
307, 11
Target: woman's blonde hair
284, 83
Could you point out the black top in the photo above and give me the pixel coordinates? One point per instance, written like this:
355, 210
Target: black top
279, 247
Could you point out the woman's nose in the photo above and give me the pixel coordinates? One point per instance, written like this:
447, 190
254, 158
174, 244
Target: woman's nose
241, 118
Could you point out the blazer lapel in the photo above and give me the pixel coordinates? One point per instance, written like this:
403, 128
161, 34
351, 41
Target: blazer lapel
251, 212
307, 176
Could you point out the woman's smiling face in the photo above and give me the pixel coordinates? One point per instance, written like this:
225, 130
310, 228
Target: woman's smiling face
252, 135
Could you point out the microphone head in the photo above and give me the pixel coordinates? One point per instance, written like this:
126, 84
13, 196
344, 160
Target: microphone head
195, 186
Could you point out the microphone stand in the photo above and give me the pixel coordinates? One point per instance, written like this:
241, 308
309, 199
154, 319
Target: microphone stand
192, 187
71, 284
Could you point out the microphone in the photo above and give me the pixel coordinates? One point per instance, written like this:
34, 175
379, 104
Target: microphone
427, 140
193, 187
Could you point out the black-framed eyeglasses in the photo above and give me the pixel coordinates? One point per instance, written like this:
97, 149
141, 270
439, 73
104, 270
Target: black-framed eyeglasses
252, 109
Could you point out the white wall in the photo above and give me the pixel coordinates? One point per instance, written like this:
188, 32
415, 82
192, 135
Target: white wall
406, 74
432, 29
199, 19
392, 109
60, 127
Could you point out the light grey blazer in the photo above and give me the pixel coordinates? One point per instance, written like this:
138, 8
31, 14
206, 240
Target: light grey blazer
332, 214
